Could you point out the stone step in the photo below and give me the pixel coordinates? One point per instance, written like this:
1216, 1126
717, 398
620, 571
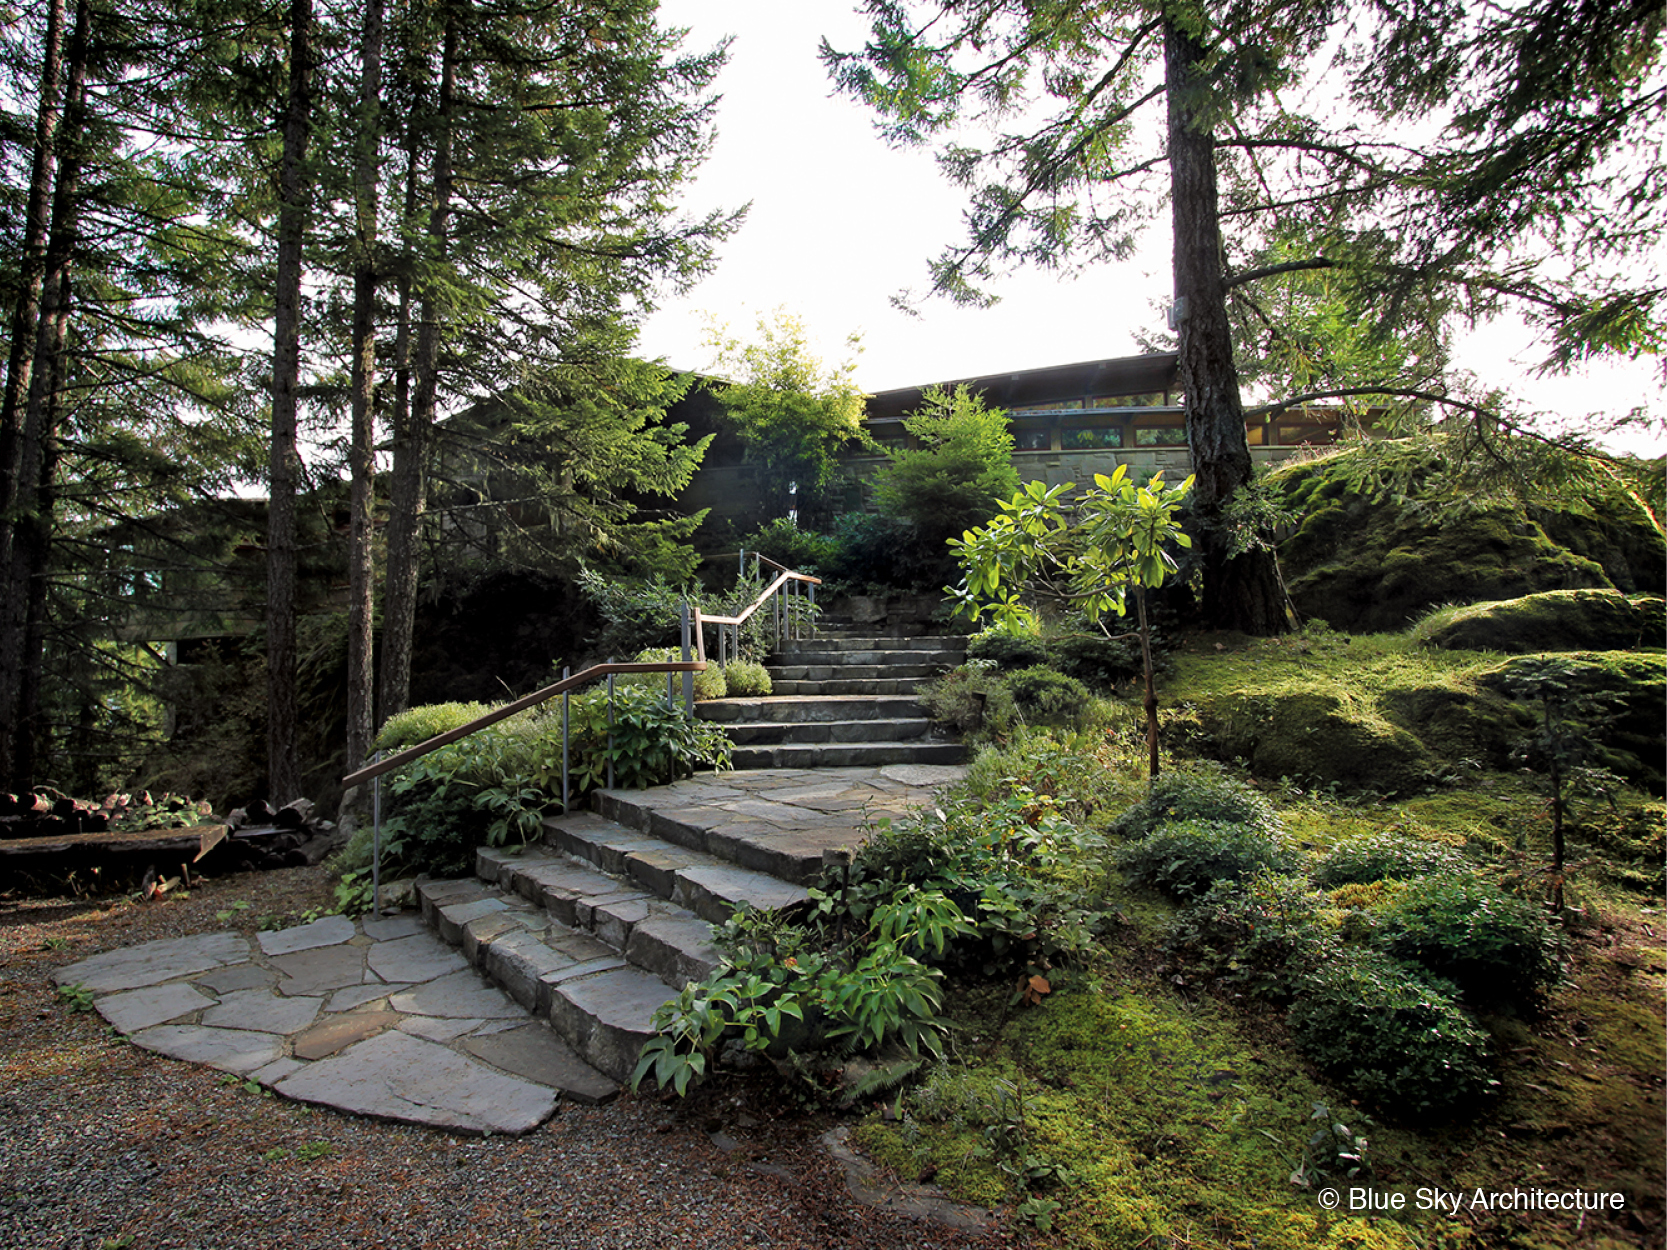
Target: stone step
849, 672
758, 855
593, 951
935, 657
771, 733
834, 640
847, 754
846, 686
678, 858
775, 709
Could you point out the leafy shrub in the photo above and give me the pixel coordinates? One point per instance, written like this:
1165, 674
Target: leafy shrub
498, 783
747, 679
1199, 792
1046, 696
1185, 858
1390, 1035
1014, 866
953, 480
419, 724
1006, 649
636, 613
1265, 933
971, 699
1384, 857
784, 542
651, 742
1492, 946
777, 992
709, 683
878, 551
1100, 662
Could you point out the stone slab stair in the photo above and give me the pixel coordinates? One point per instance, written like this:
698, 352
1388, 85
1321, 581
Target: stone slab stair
603, 920
842, 699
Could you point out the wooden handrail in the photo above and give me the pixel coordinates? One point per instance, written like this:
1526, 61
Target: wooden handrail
510, 709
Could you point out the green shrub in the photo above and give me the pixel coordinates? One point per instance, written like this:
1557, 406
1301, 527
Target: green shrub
878, 551
1264, 933
1100, 662
1045, 696
1391, 1036
1385, 857
497, 784
419, 724
747, 679
780, 992
1014, 866
1197, 792
1494, 947
652, 743
802, 550
971, 699
1006, 649
709, 684
955, 478
1185, 858
635, 612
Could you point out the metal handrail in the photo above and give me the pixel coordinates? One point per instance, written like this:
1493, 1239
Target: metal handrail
733, 624
510, 709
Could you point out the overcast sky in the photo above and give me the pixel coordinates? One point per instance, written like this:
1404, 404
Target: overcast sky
840, 223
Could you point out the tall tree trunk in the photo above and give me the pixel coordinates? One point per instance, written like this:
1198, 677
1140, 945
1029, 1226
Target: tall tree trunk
361, 568
409, 485
400, 423
23, 573
31, 269
283, 768
53, 371
1240, 592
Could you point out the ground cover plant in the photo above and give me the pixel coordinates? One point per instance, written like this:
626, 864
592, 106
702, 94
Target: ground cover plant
496, 785
1279, 983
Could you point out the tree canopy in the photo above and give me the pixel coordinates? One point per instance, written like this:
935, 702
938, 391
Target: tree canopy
1345, 186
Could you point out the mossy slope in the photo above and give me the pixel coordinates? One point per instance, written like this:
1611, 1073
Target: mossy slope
1376, 562
1376, 713
1557, 620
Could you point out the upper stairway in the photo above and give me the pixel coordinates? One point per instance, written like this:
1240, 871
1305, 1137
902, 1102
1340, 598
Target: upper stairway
842, 700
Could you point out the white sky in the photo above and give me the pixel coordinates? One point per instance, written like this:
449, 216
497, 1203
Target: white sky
840, 223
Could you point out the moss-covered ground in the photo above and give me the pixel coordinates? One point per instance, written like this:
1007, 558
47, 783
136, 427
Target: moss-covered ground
1160, 1110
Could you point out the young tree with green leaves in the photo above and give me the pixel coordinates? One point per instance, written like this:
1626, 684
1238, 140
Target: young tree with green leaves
1080, 553
1429, 165
793, 414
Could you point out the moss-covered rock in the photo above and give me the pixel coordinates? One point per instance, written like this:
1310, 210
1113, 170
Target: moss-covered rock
1366, 560
1556, 620
1634, 742
1395, 721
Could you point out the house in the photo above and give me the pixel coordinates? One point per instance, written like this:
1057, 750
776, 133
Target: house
1069, 422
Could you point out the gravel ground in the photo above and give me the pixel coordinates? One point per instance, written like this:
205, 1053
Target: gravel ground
104, 1146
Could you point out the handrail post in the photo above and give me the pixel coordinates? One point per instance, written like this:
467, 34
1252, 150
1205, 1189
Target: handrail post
566, 707
376, 841
810, 623
741, 572
688, 678
610, 728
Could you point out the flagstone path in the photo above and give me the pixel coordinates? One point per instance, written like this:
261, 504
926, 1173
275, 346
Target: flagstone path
382, 1017
376, 1016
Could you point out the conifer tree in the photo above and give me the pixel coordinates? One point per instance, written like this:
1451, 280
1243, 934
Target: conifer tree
1515, 162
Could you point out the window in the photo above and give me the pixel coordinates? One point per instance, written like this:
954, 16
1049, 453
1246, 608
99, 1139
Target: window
1032, 440
1092, 436
1160, 436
